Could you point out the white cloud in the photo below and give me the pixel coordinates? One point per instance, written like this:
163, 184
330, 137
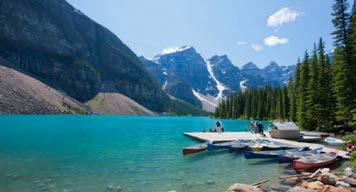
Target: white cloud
282, 16
257, 47
241, 43
275, 40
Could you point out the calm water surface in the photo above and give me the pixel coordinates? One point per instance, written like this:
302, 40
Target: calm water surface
139, 154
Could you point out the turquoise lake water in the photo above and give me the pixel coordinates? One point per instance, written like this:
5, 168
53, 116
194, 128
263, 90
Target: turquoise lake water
139, 154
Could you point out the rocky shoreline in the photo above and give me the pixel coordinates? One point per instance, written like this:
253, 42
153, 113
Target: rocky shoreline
322, 180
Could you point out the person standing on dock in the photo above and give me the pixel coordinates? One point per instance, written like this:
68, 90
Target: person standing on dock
260, 128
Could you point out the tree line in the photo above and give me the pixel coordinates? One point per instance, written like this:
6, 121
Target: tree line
322, 94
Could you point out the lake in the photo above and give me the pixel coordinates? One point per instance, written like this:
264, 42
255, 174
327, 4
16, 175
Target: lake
89, 153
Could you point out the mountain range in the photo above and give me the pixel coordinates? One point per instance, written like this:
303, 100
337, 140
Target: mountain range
183, 73
87, 68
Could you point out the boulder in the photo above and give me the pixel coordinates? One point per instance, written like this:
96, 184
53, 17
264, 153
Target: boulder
316, 185
292, 180
328, 178
237, 187
110, 188
325, 170
348, 172
329, 188
119, 188
350, 181
300, 189
210, 182
342, 184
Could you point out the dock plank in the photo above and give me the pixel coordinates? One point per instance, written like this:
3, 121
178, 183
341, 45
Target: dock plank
231, 136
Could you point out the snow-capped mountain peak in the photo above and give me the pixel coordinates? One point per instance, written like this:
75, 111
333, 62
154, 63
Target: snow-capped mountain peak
175, 50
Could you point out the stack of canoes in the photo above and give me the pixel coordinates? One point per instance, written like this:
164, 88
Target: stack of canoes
258, 145
311, 136
237, 145
264, 144
303, 159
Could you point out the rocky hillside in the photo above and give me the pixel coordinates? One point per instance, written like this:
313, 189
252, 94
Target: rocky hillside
21, 94
115, 103
52, 41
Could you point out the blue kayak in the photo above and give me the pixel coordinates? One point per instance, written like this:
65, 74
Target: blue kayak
270, 154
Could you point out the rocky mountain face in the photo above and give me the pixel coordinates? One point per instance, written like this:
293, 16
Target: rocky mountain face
57, 44
226, 73
170, 82
276, 75
189, 66
183, 69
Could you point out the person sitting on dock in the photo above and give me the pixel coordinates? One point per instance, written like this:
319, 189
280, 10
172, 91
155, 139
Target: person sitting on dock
218, 127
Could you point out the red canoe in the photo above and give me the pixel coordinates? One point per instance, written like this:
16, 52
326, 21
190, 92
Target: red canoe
195, 149
314, 162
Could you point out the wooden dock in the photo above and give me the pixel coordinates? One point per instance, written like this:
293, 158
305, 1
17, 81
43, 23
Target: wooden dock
231, 136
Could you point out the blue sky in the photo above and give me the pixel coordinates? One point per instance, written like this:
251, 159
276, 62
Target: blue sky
245, 30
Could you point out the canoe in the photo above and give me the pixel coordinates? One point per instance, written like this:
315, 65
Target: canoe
314, 162
238, 146
333, 141
289, 157
316, 134
194, 149
310, 138
270, 145
225, 145
285, 146
270, 154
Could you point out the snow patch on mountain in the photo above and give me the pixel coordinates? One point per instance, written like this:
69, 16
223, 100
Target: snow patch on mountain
164, 85
154, 60
174, 50
209, 103
243, 87
219, 85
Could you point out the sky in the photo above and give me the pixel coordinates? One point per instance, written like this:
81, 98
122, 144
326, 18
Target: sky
259, 31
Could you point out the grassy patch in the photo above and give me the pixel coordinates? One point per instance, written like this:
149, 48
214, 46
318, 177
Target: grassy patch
74, 110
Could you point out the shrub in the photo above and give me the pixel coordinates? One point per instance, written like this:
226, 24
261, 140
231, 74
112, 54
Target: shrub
353, 159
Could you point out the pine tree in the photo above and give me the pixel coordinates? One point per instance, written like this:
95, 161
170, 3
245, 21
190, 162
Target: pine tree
302, 94
312, 100
342, 71
340, 22
294, 90
292, 97
341, 89
285, 102
325, 96
352, 47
